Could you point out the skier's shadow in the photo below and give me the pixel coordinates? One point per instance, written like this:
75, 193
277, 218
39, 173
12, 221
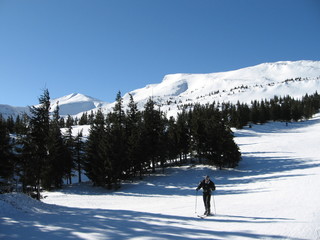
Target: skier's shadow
247, 219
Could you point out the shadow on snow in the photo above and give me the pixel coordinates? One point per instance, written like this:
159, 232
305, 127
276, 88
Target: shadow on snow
75, 223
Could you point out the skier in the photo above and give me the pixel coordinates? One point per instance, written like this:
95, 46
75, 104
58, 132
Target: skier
208, 186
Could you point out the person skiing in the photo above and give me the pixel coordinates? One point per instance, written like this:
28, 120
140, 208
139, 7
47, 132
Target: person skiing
208, 186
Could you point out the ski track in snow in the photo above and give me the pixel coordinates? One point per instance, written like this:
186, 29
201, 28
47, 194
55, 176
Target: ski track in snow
273, 194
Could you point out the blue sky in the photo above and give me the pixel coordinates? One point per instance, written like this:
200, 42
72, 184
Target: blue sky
100, 47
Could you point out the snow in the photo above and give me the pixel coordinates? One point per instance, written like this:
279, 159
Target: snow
273, 194
77, 129
262, 81
7, 111
75, 103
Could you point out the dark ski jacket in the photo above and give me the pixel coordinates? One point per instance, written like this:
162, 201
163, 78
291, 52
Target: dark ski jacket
207, 187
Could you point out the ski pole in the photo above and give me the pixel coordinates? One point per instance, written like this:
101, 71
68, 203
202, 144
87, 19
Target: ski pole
214, 204
195, 208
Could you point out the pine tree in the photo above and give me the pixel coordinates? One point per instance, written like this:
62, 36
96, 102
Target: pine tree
133, 134
39, 134
198, 130
84, 119
78, 154
54, 169
70, 122
163, 140
26, 159
68, 154
10, 124
212, 139
255, 112
286, 109
62, 123
275, 109
118, 141
172, 141
183, 134
152, 131
97, 163
263, 113
6, 153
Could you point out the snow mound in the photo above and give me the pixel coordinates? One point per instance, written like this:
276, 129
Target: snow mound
21, 203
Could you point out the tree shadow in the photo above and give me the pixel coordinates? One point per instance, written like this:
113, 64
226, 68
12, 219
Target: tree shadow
276, 127
76, 223
261, 169
176, 181
182, 181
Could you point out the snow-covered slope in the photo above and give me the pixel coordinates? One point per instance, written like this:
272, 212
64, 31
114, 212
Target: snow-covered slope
7, 111
72, 104
75, 103
197, 85
262, 81
273, 194
253, 83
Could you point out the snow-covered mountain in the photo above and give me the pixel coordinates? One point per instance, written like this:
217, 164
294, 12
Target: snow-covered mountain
258, 82
7, 111
263, 81
76, 103
71, 104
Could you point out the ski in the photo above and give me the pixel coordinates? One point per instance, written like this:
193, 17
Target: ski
204, 216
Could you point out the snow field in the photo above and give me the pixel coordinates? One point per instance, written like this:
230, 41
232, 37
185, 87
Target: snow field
273, 194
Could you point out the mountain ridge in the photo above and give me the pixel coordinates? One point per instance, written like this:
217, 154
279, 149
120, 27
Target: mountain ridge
262, 81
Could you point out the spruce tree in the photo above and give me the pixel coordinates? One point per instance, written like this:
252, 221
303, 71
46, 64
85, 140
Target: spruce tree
172, 140
68, 154
39, 134
78, 154
152, 130
84, 119
6, 152
198, 130
118, 141
69, 122
133, 134
183, 134
97, 162
54, 170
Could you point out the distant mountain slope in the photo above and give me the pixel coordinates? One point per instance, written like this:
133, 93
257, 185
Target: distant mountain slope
263, 81
71, 104
7, 111
258, 82
75, 103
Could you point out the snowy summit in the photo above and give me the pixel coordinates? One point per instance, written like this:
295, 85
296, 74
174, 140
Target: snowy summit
252, 83
75, 103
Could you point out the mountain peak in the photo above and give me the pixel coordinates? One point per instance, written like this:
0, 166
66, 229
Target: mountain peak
75, 103
75, 97
246, 84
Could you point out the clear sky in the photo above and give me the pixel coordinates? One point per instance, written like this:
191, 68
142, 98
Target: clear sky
100, 47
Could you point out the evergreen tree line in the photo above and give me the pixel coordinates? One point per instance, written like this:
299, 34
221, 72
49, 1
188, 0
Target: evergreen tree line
38, 155
285, 109
120, 145
127, 143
